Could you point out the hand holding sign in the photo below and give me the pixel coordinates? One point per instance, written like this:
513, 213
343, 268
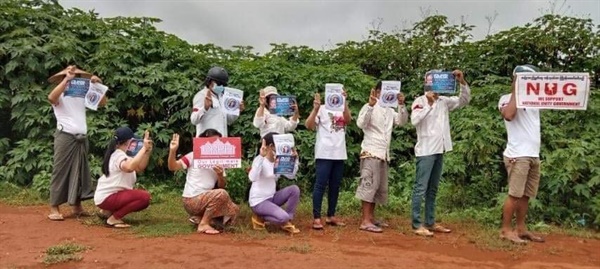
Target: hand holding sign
218, 170
459, 77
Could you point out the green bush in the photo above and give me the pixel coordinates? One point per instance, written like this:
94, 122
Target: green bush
153, 77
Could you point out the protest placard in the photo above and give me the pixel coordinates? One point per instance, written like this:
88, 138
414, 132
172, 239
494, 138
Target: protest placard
389, 93
334, 99
231, 100
134, 147
77, 87
441, 82
562, 91
282, 105
217, 151
284, 159
94, 95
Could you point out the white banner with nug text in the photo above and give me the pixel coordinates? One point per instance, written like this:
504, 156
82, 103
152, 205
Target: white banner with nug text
564, 91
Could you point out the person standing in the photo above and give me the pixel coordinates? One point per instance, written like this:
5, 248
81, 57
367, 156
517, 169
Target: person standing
430, 115
376, 122
71, 179
522, 162
206, 111
330, 154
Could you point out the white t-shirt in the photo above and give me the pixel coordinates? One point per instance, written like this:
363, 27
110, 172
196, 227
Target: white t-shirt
331, 135
523, 131
197, 180
70, 114
264, 180
117, 180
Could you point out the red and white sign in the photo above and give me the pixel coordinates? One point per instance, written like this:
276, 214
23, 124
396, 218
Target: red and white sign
566, 91
212, 151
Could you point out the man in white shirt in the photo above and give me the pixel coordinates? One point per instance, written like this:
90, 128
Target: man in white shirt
376, 123
206, 111
522, 162
430, 115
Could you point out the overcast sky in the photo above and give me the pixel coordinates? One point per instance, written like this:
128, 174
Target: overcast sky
320, 23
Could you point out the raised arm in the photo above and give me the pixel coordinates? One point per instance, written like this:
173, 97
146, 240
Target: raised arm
202, 103
509, 110
259, 116
256, 169
456, 102
172, 163
364, 116
311, 121
420, 109
401, 117
55, 94
148, 146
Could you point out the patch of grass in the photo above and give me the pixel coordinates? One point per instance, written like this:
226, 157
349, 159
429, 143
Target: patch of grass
63, 253
302, 248
14, 195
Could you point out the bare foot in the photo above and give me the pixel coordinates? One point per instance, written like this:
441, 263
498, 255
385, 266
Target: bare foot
207, 229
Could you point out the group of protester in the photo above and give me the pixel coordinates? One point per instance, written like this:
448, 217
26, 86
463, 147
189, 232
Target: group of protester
206, 200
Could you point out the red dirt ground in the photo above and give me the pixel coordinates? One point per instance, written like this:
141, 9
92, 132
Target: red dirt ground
25, 233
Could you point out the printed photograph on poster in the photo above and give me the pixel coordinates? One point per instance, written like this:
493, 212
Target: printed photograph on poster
441, 82
282, 105
212, 151
284, 143
134, 146
389, 93
77, 88
284, 165
334, 99
560, 91
94, 95
231, 100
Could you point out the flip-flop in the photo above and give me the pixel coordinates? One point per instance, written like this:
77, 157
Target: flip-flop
118, 225
209, 231
531, 237
56, 217
317, 226
193, 220
515, 239
371, 229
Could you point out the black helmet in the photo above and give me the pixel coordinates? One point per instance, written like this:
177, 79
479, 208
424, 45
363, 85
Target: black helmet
218, 74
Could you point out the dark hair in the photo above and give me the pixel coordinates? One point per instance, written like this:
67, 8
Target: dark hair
112, 146
268, 140
210, 133
378, 86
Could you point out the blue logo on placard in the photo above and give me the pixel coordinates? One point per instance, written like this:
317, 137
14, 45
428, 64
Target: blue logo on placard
77, 87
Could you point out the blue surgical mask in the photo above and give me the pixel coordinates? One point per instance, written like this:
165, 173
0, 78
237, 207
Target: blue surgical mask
218, 89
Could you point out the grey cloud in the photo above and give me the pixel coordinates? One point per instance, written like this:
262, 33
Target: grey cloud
316, 23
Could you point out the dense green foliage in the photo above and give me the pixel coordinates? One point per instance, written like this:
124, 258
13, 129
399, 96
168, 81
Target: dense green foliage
154, 75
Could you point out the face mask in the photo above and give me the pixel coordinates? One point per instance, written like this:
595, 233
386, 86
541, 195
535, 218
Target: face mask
218, 89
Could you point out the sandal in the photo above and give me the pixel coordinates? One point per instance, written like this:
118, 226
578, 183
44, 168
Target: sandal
422, 231
56, 217
209, 231
317, 225
380, 223
371, 228
290, 228
118, 225
438, 229
257, 222
531, 237
194, 220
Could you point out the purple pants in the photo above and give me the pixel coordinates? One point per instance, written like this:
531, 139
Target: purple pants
271, 210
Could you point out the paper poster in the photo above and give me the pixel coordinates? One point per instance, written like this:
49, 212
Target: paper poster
389, 93
334, 99
282, 105
441, 82
134, 147
231, 100
284, 165
77, 87
562, 91
284, 161
94, 95
212, 151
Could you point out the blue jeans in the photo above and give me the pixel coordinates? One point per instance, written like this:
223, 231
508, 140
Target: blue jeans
329, 172
429, 172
